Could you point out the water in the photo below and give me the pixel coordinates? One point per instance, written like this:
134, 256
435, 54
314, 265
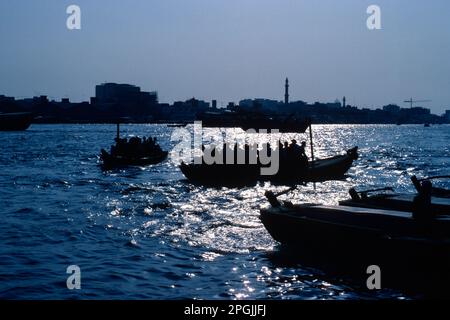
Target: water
146, 233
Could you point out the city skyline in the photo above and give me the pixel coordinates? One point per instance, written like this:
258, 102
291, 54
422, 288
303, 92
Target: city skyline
229, 51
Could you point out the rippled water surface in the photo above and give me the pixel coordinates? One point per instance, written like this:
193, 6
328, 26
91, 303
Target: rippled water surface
146, 233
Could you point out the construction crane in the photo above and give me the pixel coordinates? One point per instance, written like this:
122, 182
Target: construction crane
411, 101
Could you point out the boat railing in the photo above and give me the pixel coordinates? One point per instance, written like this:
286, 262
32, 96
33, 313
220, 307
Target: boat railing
417, 182
272, 197
358, 195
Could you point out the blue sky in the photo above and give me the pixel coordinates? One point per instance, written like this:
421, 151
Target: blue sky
230, 49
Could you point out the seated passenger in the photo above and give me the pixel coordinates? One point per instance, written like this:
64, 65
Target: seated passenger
421, 208
296, 150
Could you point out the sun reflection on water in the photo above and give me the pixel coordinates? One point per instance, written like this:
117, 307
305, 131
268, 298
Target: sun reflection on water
151, 224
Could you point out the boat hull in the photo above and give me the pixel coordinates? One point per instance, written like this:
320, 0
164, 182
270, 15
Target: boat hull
15, 121
369, 235
109, 161
236, 175
416, 263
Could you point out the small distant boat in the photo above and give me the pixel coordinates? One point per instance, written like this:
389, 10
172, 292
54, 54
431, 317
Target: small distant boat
136, 152
15, 121
426, 125
110, 161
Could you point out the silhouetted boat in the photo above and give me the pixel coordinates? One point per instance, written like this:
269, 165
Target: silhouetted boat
110, 161
426, 125
136, 152
352, 226
412, 254
247, 174
253, 120
372, 236
15, 121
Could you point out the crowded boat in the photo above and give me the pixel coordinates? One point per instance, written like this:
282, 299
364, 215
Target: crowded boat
134, 151
287, 163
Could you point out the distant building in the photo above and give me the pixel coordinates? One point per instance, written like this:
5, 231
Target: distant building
5, 99
231, 105
186, 110
41, 100
447, 115
198, 104
267, 105
93, 100
8, 104
328, 105
113, 93
392, 108
336, 104
419, 111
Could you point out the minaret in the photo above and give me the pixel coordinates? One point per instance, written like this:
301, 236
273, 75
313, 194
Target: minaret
286, 92
344, 102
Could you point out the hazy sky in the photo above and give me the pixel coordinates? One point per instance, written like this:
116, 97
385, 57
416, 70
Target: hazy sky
230, 49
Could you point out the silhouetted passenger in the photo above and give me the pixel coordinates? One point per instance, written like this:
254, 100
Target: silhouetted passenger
284, 152
295, 149
303, 156
303, 149
421, 208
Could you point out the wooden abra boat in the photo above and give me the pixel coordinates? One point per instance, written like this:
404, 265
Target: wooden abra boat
289, 173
